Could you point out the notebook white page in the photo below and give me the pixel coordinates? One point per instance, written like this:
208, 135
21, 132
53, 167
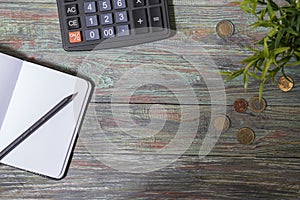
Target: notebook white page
9, 72
37, 90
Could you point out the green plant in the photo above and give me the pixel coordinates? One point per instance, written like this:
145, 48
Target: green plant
280, 48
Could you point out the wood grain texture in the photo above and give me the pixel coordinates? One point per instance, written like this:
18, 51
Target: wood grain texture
267, 169
171, 2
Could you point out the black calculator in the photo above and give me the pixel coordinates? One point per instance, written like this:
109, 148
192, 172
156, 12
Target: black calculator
102, 24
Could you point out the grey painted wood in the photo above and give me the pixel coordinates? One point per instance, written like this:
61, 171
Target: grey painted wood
267, 169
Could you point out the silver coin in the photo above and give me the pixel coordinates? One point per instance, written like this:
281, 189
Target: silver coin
225, 29
221, 123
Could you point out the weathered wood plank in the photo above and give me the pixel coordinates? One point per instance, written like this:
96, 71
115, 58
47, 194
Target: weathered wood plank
171, 2
218, 178
272, 158
112, 80
273, 139
41, 21
40, 30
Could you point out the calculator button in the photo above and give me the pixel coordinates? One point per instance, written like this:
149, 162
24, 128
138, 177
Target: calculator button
106, 19
89, 7
73, 23
71, 9
119, 4
123, 30
154, 2
140, 21
104, 5
92, 35
121, 17
138, 3
91, 21
108, 32
156, 19
75, 37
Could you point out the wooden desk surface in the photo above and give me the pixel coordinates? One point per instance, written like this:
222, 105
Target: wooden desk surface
267, 169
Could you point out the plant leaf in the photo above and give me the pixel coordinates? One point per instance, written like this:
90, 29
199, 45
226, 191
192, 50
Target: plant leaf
234, 74
291, 31
266, 48
292, 64
254, 4
266, 68
250, 59
298, 22
244, 5
273, 5
253, 75
280, 50
246, 80
297, 53
280, 34
272, 32
261, 89
265, 24
225, 73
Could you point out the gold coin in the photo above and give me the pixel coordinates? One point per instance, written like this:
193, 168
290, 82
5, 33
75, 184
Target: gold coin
257, 106
245, 136
221, 123
225, 29
285, 84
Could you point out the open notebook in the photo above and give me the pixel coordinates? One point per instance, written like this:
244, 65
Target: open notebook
27, 92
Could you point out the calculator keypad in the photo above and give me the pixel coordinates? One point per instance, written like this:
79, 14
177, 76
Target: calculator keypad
87, 24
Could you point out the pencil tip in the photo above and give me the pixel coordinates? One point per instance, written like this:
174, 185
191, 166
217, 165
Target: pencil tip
71, 97
74, 95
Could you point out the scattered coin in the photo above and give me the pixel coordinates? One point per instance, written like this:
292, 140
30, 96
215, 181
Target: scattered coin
221, 123
257, 106
245, 136
285, 84
225, 29
240, 105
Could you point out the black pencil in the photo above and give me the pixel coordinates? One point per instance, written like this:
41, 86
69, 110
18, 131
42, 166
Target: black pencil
36, 125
